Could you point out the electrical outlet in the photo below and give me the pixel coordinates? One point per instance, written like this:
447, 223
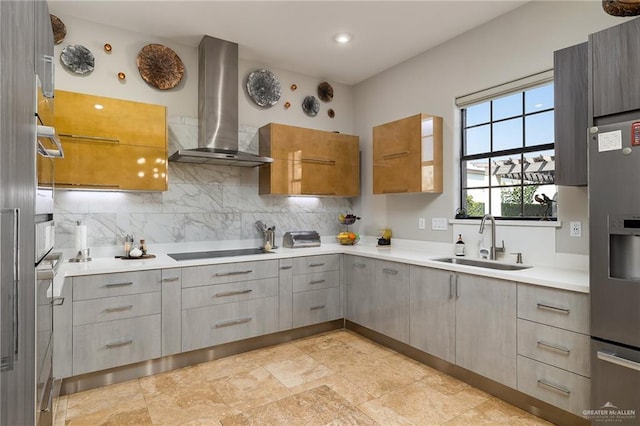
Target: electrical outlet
421, 223
575, 229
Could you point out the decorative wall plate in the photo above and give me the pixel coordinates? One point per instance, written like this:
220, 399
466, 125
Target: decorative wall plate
325, 92
160, 66
77, 59
263, 87
621, 7
59, 29
331, 113
311, 106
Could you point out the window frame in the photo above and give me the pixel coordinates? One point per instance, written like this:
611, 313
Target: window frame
490, 95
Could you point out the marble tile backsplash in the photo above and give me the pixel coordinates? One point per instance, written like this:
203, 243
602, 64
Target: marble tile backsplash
202, 203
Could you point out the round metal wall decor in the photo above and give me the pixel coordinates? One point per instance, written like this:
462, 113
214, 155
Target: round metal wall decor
77, 59
325, 92
59, 29
263, 87
621, 7
311, 106
160, 66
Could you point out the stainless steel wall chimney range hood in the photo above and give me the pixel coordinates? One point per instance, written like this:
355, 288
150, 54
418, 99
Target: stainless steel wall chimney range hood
218, 109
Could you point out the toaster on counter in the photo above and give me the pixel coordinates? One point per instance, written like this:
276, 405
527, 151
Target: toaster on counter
296, 239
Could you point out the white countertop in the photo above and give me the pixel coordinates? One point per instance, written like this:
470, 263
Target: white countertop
566, 279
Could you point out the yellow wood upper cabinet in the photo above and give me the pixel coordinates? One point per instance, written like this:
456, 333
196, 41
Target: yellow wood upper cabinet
110, 143
407, 155
309, 162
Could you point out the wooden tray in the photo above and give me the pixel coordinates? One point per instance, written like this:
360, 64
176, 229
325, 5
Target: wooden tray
145, 256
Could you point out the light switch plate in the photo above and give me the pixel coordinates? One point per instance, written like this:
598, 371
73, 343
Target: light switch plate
439, 223
421, 223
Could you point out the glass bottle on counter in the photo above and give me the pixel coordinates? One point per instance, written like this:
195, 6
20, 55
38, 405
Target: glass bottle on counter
459, 246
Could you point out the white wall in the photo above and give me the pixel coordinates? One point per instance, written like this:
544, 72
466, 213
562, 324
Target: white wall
183, 99
511, 46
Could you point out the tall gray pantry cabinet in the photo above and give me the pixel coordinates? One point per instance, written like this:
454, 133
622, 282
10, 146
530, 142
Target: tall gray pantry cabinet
21, 25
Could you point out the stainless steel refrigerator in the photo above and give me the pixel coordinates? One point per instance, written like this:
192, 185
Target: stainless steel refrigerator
614, 215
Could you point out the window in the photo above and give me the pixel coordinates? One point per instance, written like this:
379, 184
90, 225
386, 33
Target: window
507, 162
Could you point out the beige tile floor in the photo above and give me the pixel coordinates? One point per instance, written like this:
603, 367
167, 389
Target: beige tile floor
336, 378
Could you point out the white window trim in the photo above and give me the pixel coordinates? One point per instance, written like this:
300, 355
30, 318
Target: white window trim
519, 85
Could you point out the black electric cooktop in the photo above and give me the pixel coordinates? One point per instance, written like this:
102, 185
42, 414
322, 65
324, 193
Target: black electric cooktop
215, 253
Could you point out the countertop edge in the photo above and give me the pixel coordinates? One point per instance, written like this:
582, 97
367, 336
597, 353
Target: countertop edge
563, 279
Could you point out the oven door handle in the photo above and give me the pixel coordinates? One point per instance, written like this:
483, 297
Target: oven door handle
49, 273
615, 359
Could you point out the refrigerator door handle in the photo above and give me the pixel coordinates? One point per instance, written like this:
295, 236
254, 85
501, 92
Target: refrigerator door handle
615, 359
10, 331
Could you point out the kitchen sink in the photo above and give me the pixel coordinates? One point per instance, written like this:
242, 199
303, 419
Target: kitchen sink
491, 264
193, 255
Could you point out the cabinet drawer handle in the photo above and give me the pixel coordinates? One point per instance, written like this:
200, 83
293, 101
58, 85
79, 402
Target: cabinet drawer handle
394, 191
232, 322
317, 193
58, 301
171, 280
119, 284
317, 281
319, 161
457, 288
233, 293
390, 271
554, 309
558, 388
614, 359
86, 185
225, 274
118, 344
556, 347
90, 138
314, 308
395, 155
313, 265
286, 267
360, 265
119, 308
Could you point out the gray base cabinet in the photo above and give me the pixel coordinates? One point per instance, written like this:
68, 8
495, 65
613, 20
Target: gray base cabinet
378, 296
554, 362
115, 320
432, 314
114, 343
466, 320
316, 289
486, 327
217, 324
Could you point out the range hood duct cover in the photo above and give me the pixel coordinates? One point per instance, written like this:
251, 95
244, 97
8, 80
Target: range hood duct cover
218, 109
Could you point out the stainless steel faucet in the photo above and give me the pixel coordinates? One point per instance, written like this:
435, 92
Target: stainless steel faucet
494, 249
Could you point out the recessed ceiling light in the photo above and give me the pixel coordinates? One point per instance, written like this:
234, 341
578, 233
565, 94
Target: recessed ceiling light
343, 38
98, 106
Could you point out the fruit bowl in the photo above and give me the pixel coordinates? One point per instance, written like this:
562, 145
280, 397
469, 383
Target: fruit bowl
348, 238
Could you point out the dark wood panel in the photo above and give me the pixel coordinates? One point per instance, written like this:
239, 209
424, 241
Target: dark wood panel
570, 71
615, 56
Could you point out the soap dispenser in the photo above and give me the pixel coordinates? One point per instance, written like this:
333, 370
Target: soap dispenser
459, 246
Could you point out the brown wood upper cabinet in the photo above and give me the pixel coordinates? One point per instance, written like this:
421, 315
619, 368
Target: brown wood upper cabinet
407, 155
308, 162
110, 144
